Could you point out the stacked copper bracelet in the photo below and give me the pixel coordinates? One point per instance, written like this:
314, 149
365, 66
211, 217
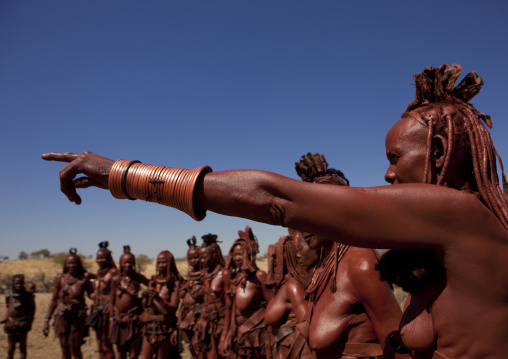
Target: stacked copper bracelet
173, 187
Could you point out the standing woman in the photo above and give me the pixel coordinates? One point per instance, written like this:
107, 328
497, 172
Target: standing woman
125, 307
99, 316
19, 316
246, 300
68, 301
445, 207
191, 293
346, 287
160, 302
289, 305
210, 325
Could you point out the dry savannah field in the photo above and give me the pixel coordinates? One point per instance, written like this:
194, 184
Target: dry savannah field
40, 347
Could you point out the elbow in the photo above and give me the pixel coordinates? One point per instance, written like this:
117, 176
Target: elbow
277, 213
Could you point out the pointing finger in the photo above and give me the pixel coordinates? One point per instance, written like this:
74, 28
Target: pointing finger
60, 156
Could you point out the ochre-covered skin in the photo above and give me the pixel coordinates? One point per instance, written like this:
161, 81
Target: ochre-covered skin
125, 309
68, 305
19, 316
191, 293
245, 302
210, 324
362, 310
468, 235
160, 302
99, 314
288, 307
351, 310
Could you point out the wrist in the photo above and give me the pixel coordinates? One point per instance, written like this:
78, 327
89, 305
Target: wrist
173, 187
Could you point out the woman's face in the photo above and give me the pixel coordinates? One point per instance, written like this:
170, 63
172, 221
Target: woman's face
307, 258
162, 265
238, 256
193, 258
17, 285
406, 147
72, 265
102, 259
207, 260
127, 263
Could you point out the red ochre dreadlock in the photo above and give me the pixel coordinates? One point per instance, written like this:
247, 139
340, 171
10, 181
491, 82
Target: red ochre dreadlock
314, 168
283, 264
466, 131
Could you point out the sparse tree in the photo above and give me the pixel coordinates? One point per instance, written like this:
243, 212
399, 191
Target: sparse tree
44, 253
142, 261
23, 255
35, 254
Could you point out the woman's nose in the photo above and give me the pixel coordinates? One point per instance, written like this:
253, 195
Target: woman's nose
390, 175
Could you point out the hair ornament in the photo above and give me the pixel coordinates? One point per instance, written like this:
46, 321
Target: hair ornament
191, 242
313, 166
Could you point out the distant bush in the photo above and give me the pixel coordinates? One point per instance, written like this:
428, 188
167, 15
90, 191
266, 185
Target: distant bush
142, 261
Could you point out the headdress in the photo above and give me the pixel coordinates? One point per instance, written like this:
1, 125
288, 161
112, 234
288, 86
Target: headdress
73, 254
127, 253
172, 273
191, 242
247, 262
210, 241
249, 236
467, 127
282, 261
314, 168
103, 248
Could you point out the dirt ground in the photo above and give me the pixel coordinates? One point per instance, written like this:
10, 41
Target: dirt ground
40, 347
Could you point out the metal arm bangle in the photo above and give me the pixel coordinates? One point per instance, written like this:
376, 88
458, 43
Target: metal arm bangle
122, 180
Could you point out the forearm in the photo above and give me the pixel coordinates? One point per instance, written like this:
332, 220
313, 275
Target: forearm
251, 194
362, 217
51, 309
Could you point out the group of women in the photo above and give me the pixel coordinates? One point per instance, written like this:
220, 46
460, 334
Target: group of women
444, 217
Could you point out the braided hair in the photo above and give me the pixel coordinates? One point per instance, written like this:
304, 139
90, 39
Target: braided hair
172, 273
465, 129
210, 240
283, 264
314, 168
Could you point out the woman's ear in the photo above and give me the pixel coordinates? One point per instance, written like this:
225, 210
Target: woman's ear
440, 146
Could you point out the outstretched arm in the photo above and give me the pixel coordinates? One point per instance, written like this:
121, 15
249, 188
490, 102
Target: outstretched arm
401, 216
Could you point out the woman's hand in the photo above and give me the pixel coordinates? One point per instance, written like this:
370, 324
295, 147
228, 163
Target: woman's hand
45, 328
225, 346
174, 338
94, 167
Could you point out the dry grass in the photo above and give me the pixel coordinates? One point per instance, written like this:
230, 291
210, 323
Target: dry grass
40, 347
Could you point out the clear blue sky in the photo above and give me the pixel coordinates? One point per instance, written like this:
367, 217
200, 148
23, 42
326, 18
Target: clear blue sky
231, 84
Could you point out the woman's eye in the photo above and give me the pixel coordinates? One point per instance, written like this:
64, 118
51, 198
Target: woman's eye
394, 159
